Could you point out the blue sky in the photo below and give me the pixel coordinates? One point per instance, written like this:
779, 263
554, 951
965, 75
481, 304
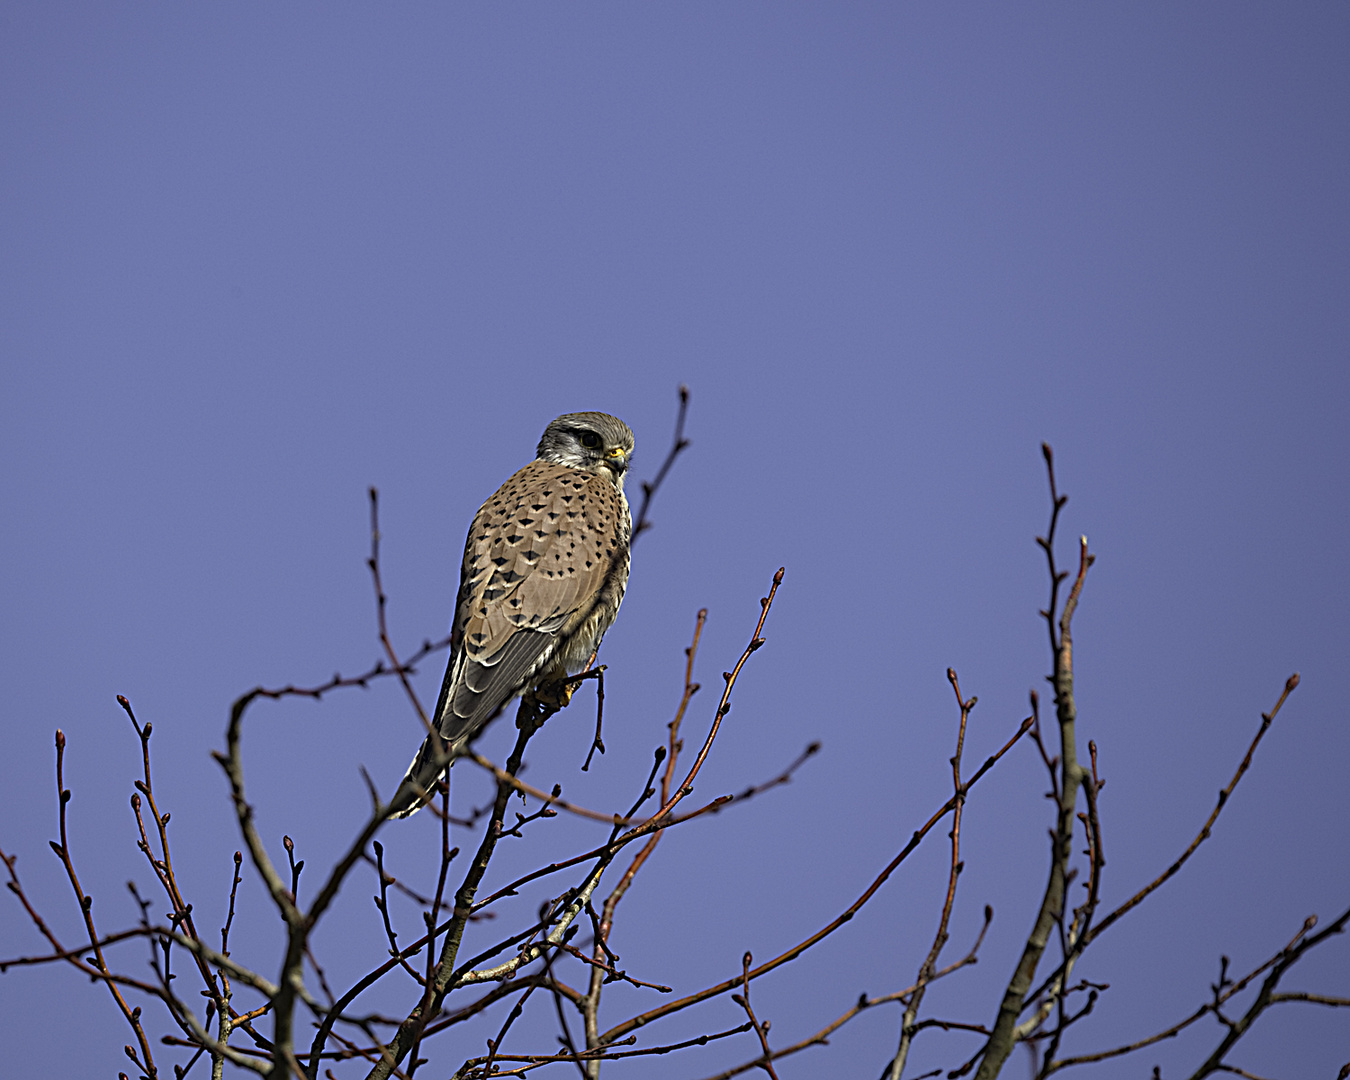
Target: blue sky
257, 258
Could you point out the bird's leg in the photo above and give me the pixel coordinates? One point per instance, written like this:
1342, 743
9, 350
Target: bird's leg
555, 694
537, 705
557, 690
552, 692
550, 695
531, 713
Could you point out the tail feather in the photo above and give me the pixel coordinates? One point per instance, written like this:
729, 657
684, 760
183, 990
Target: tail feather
419, 783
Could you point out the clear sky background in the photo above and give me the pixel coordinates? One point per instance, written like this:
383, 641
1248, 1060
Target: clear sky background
255, 258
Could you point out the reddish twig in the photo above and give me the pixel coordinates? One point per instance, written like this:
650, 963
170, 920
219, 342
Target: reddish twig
761, 1028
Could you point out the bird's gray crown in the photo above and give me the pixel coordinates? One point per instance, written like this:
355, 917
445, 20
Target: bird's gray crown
589, 440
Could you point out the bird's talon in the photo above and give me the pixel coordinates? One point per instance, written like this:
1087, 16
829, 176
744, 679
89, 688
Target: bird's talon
555, 695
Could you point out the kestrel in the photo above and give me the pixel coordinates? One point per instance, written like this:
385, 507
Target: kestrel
545, 568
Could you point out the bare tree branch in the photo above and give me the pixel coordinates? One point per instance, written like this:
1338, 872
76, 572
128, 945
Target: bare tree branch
1004, 1036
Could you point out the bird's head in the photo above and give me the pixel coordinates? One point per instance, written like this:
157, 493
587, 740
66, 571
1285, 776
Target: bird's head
594, 441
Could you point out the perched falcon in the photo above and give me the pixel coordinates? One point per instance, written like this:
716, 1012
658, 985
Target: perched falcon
545, 567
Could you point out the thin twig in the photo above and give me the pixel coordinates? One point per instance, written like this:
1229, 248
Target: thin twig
761, 1027
381, 602
86, 903
908, 1028
598, 742
649, 487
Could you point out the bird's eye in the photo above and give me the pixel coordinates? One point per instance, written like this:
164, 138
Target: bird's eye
590, 440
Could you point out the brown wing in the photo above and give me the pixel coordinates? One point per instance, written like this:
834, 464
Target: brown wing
536, 557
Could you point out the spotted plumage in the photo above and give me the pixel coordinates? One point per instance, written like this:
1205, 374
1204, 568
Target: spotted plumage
545, 568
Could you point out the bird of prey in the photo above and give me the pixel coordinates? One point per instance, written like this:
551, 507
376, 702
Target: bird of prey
545, 568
